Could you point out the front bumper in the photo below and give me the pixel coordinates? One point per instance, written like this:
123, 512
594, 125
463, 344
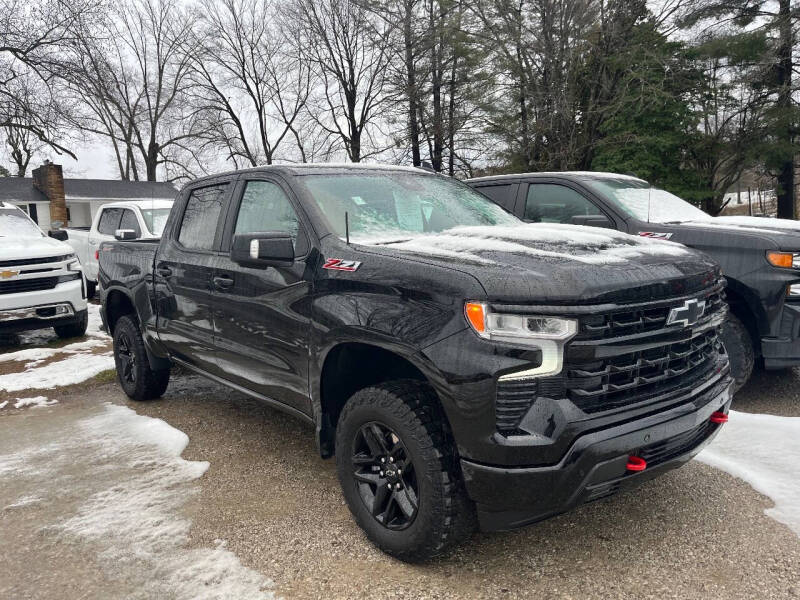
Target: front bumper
25, 311
784, 351
594, 467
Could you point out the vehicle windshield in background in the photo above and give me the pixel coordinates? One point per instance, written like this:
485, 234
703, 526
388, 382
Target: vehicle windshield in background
155, 219
639, 200
15, 224
395, 206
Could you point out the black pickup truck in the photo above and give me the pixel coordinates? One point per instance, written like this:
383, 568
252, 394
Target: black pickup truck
463, 367
760, 257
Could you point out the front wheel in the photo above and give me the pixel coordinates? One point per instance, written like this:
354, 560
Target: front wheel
739, 346
399, 471
76, 329
136, 377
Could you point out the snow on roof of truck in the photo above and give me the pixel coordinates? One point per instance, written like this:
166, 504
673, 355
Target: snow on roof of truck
581, 174
154, 203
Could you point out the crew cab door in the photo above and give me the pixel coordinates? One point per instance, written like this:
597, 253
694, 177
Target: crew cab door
183, 271
261, 315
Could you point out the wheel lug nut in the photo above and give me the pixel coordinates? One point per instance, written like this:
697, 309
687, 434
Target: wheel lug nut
391, 459
389, 485
397, 486
399, 471
383, 460
381, 473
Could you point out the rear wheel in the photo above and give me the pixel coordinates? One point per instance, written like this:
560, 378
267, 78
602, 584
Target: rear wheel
137, 379
399, 471
76, 329
91, 288
739, 346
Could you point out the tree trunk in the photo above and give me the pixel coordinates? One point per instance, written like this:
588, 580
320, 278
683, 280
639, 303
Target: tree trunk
411, 75
784, 72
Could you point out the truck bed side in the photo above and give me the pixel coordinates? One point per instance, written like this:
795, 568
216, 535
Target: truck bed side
126, 277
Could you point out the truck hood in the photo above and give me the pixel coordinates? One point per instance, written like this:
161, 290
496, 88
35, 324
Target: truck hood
562, 264
32, 247
782, 234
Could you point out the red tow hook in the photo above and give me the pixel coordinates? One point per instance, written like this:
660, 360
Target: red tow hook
636, 463
719, 417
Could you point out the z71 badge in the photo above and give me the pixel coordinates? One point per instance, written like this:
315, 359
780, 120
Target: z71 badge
655, 234
337, 264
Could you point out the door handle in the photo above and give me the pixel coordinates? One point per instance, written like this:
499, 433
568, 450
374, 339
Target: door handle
223, 282
164, 271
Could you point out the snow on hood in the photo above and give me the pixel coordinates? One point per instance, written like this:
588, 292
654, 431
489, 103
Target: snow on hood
582, 244
23, 248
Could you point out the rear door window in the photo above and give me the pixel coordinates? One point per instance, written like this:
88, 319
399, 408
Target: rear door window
109, 221
201, 216
504, 194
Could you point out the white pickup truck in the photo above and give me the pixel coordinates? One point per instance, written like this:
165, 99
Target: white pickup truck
41, 281
141, 219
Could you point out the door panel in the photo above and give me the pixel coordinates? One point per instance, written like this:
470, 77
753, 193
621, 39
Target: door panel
183, 276
261, 318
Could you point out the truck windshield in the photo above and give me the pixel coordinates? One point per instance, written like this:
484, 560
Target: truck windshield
15, 224
394, 206
155, 219
638, 199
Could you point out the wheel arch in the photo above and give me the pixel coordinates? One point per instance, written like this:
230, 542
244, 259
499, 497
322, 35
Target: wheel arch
748, 310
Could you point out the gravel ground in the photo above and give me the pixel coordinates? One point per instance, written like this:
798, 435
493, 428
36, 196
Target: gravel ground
693, 533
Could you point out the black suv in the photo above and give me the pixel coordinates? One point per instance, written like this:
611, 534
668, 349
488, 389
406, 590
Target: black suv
461, 365
760, 257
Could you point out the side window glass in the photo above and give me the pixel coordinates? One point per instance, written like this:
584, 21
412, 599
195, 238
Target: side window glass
265, 207
553, 203
201, 216
129, 221
109, 221
500, 194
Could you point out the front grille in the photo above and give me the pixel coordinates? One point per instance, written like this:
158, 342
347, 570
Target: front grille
666, 450
32, 261
28, 285
625, 356
638, 376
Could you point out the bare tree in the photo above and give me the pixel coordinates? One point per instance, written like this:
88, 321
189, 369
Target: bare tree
250, 84
135, 84
348, 48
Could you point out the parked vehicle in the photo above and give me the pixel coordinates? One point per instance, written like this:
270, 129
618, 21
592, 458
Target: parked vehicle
760, 257
457, 362
41, 282
142, 219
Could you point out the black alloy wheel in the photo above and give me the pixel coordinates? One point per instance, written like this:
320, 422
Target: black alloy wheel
384, 475
127, 358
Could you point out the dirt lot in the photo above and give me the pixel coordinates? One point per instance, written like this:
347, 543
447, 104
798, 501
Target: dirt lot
267, 498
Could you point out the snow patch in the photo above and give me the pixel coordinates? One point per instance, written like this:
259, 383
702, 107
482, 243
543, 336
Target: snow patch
36, 401
23, 501
71, 370
769, 460
4, 404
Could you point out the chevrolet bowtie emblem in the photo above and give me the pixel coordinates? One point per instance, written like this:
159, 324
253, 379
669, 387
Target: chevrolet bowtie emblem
688, 314
8, 274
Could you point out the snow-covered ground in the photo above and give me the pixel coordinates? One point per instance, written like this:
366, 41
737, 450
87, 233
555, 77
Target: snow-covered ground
47, 367
764, 451
114, 481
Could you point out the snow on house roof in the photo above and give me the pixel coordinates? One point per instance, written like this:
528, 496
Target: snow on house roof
21, 189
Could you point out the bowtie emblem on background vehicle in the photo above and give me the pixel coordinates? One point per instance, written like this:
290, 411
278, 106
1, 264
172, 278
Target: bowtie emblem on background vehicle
8, 274
337, 264
688, 314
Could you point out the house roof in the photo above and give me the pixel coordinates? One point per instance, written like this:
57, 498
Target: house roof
20, 189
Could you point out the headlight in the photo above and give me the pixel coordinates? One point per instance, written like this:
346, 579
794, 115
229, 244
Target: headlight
793, 291
786, 260
74, 265
548, 334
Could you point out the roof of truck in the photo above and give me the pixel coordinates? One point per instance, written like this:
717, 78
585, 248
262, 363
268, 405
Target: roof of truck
578, 174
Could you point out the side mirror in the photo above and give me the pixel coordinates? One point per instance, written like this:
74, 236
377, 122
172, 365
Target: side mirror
592, 221
260, 250
58, 234
125, 235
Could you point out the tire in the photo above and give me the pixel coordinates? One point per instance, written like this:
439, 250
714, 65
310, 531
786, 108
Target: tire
91, 289
739, 346
76, 329
137, 379
411, 427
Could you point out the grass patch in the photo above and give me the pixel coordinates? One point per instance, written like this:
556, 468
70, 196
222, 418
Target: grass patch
106, 376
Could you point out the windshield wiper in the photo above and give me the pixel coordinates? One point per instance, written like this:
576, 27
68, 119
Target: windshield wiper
393, 242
